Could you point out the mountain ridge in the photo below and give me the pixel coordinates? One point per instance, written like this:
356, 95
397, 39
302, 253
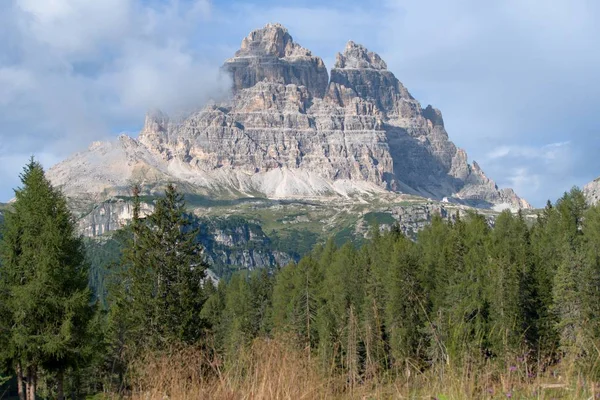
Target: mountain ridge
292, 129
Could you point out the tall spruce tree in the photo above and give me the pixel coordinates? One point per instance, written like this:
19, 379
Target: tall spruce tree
511, 286
164, 274
567, 305
404, 312
590, 286
44, 286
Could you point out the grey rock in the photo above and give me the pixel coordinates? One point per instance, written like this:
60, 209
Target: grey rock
592, 191
109, 216
271, 54
287, 133
226, 243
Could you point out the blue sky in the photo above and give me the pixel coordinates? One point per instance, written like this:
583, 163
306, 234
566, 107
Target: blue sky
518, 81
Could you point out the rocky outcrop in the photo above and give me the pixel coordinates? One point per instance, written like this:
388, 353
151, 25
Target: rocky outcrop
289, 132
363, 74
592, 191
271, 54
229, 242
109, 216
235, 242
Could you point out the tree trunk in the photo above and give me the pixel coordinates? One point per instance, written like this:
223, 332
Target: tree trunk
20, 382
60, 389
31, 383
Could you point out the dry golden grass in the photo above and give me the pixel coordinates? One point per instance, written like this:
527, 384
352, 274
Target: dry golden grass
270, 370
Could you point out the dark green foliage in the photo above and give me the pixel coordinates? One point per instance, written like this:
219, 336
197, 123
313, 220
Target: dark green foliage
104, 255
464, 292
45, 302
293, 241
160, 296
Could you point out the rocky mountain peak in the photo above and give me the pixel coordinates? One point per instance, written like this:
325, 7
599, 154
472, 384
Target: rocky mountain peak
272, 40
156, 121
358, 57
288, 131
434, 115
154, 133
361, 73
270, 54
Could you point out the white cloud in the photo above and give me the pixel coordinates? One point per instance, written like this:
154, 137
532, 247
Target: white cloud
523, 180
549, 152
75, 26
73, 71
509, 76
13, 83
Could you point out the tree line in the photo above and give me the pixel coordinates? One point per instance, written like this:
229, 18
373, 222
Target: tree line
465, 292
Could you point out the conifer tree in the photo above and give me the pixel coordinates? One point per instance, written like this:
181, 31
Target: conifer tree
164, 274
567, 304
44, 284
212, 313
404, 312
238, 316
295, 299
261, 287
510, 288
339, 298
590, 284
373, 315
468, 305
546, 257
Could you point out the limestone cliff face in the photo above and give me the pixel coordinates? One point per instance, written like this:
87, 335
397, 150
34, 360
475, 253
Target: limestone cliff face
289, 131
272, 54
109, 216
592, 191
227, 242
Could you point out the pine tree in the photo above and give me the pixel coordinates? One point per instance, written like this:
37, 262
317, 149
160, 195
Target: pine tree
164, 273
510, 288
237, 316
590, 285
404, 312
44, 279
261, 287
212, 312
340, 300
435, 274
295, 300
466, 298
373, 313
567, 304
546, 257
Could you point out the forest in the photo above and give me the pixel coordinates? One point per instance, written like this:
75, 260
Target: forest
473, 308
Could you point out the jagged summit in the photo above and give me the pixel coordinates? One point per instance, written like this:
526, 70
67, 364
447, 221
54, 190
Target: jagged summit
434, 115
272, 40
271, 54
292, 131
357, 56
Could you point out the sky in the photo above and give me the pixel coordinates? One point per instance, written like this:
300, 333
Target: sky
517, 81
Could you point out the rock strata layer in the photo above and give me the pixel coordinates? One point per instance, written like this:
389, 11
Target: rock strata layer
292, 131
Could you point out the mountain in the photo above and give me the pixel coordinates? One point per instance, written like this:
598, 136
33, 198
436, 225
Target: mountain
296, 155
592, 191
292, 130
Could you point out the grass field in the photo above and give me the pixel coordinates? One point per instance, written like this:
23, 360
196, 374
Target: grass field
270, 370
